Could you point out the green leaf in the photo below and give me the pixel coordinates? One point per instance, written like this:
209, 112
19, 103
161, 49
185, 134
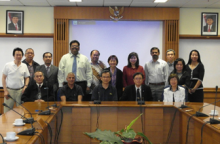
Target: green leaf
142, 135
105, 142
129, 134
132, 122
105, 135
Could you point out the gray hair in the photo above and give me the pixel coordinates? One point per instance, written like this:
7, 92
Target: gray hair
169, 50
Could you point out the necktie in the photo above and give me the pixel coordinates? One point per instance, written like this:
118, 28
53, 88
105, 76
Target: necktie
48, 71
16, 26
39, 92
138, 95
209, 29
173, 98
74, 68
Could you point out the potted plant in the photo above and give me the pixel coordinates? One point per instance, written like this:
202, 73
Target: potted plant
124, 136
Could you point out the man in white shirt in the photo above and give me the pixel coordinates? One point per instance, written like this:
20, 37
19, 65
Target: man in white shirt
15, 79
156, 72
79, 65
170, 59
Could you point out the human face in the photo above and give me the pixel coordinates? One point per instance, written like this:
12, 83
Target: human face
112, 62
95, 56
70, 79
18, 56
209, 21
138, 80
38, 77
133, 60
173, 82
106, 78
47, 58
194, 56
170, 56
29, 54
15, 20
155, 54
74, 48
179, 66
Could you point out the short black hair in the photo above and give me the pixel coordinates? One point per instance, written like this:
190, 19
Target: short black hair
113, 57
74, 41
93, 51
209, 18
190, 60
17, 49
106, 71
173, 75
176, 62
138, 73
38, 71
131, 55
154, 48
47, 53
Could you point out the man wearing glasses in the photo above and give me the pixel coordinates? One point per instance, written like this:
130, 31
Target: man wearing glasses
79, 65
105, 91
31, 64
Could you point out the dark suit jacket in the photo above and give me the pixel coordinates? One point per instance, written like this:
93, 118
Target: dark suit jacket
205, 28
130, 93
52, 77
30, 93
119, 82
11, 26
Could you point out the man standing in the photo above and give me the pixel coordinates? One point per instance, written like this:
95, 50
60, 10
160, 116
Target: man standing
50, 71
97, 67
15, 79
14, 25
79, 65
31, 64
156, 72
170, 59
137, 91
71, 91
39, 91
105, 91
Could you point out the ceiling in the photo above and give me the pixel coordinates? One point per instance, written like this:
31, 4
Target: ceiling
127, 3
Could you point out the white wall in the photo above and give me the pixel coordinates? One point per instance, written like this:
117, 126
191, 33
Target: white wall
190, 20
36, 19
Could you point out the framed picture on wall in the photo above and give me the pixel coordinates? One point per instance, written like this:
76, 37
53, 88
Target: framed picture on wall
209, 24
14, 22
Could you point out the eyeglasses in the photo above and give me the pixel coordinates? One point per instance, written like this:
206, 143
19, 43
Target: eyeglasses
74, 46
105, 77
30, 53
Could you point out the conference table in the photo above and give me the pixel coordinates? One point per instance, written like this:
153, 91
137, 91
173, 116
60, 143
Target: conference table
80, 117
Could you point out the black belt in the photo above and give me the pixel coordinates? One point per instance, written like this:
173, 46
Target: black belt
15, 89
162, 83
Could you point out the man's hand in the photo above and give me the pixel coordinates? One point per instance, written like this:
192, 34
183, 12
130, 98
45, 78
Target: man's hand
6, 94
23, 89
39, 100
88, 90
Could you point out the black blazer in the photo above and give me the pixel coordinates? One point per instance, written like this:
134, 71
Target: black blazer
205, 28
30, 93
11, 26
130, 93
51, 78
119, 82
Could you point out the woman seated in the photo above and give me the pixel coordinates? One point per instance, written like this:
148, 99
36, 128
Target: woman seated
174, 92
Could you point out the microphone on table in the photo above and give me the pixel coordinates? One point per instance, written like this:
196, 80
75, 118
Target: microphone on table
28, 120
29, 131
141, 101
213, 120
46, 112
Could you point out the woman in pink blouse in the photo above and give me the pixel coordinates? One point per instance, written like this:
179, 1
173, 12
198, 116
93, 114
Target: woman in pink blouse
132, 67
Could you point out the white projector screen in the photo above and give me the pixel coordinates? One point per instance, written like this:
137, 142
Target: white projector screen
40, 45
117, 38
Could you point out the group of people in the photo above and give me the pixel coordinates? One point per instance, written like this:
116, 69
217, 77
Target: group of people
78, 79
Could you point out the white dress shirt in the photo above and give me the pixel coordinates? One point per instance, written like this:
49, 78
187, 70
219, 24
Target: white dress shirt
156, 72
84, 70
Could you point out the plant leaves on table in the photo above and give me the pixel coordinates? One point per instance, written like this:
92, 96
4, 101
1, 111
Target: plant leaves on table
106, 136
132, 122
129, 134
105, 142
142, 135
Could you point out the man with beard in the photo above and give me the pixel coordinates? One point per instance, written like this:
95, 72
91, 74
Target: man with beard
170, 59
50, 72
156, 72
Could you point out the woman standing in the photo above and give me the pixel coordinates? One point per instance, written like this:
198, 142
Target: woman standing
116, 79
196, 70
132, 67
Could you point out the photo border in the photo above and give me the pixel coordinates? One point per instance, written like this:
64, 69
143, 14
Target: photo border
202, 24
21, 21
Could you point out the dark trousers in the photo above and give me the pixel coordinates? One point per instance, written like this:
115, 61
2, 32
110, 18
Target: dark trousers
197, 96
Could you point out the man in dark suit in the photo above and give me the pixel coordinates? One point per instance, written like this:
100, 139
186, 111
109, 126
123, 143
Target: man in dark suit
50, 71
14, 25
137, 91
37, 92
210, 27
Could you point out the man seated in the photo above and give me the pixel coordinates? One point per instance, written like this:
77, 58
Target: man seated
37, 91
105, 91
174, 93
137, 91
71, 91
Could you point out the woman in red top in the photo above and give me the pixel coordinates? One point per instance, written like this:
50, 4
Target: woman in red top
132, 67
